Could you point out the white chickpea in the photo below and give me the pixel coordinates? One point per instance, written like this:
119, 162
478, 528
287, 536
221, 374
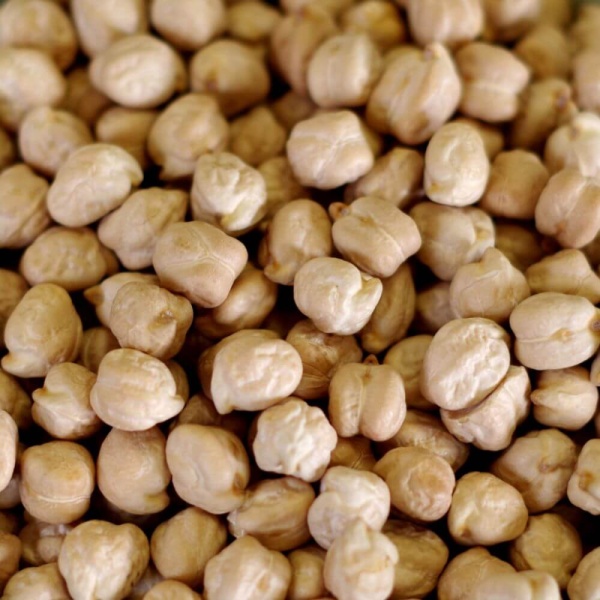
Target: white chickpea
585, 583
583, 490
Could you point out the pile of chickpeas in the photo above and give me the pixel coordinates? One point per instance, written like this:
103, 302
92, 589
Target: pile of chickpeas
298, 300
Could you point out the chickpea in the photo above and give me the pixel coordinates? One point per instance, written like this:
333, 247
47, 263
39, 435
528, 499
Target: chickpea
82, 98
9, 438
44, 329
282, 186
252, 22
534, 585
433, 309
10, 554
584, 31
169, 589
333, 7
44, 581
232, 72
586, 581
521, 245
82, 559
9, 523
507, 21
556, 12
585, 77
354, 452
583, 485
292, 107
539, 465
7, 150
14, 400
42, 541
149, 579
307, 573
545, 49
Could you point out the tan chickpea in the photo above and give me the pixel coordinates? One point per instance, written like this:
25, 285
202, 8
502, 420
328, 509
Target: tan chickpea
10, 554
333, 7
28, 78
423, 430
555, 331
44, 581
584, 31
539, 465
507, 21
228, 193
517, 178
585, 582
423, 558
82, 559
379, 19
47, 136
246, 569
451, 236
57, 481
253, 21
282, 186
420, 482
275, 513
585, 77
147, 391
171, 589
42, 541
190, 24
307, 573
294, 438
62, 406
545, 49
43, 330
14, 400
433, 309
214, 456
9, 438
232, 72
199, 261
82, 98
292, 107
148, 580
533, 585
7, 150
521, 245
583, 490
360, 564
23, 214
9, 523
354, 452
417, 93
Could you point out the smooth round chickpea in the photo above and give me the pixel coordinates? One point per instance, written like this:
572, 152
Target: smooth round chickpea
274, 512
307, 573
213, 456
433, 309
379, 19
182, 545
44, 582
252, 21
545, 49
294, 438
44, 329
42, 541
9, 439
82, 560
171, 590
57, 481
526, 585
282, 186
10, 555
345, 495
354, 452
521, 245
584, 490
485, 511
14, 400
585, 583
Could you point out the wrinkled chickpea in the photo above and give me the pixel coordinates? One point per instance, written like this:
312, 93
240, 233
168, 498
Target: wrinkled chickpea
354, 452
282, 186
82, 98
292, 107
583, 489
433, 309
42, 541
585, 583
521, 245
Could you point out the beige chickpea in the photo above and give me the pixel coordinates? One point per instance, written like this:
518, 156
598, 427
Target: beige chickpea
246, 569
360, 564
182, 545
433, 309
556, 12
43, 330
62, 406
507, 21
333, 7
423, 556
539, 465
44, 582
83, 565
275, 513
417, 93
565, 398
47, 136
549, 544
12, 288
420, 482
213, 456
57, 481
584, 30
423, 430
354, 452
228, 193
485, 511
491, 424
170, 590
14, 400
23, 214
9, 523
585, 78
121, 72
368, 399
520, 244
190, 24
189, 127
10, 554
42, 541
545, 50
82, 98
199, 261
7, 150
147, 391
9, 438
532, 585
148, 580
555, 331
252, 21
336, 295
583, 489
10, 497
451, 236
517, 178
379, 19
307, 573
294, 438
28, 78
232, 72
321, 355
329, 150
585, 582
292, 107
281, 183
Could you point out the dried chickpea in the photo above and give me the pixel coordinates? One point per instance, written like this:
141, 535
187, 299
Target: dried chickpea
43, 330
379, 19
10, 497
545, 50
82, 98
585, 583
9, 438
9, 523
521, 245
307, 573
529, 585
42, 541
23, 212
246, 569
292, 107
549, 544
57, 481
7, 150
148, 580
213, 456
14, 400
252, 21
555, 331
274, 512
280, 182
294, 438
433, 309
190, 24
10, 554
360, 564
492, 135
423, 556
354, 452
329, 150
147, 391
334, 7
62, 406
585, 80
583, 490
171, 590
232, 72
28, 78
43, 582
584, 30
199, 261
82, 560
539, 465
507, 21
